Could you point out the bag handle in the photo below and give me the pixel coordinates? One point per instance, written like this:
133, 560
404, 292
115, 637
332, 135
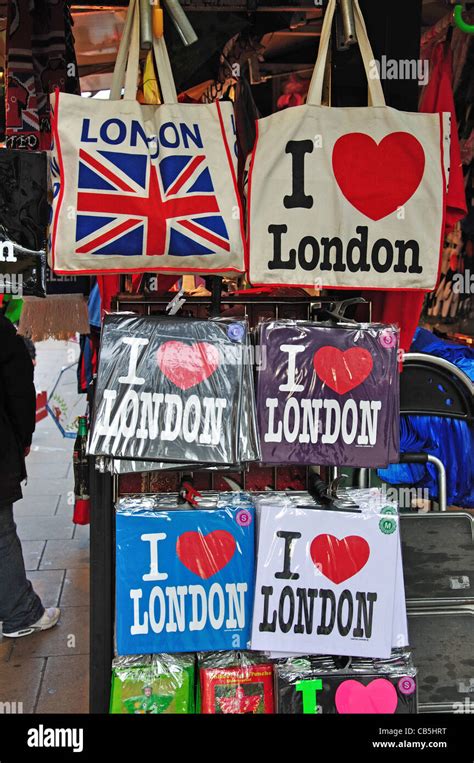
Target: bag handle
122, 55
127, 64
376, 96
164, 71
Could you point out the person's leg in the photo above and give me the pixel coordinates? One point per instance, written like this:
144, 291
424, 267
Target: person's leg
20, 606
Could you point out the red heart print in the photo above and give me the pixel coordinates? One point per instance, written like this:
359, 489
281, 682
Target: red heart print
337, 559
378, 178
342, 371
205, 554
187, 364
379, 696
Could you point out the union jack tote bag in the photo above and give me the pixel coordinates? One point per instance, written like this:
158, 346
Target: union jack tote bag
348, 197
142, 188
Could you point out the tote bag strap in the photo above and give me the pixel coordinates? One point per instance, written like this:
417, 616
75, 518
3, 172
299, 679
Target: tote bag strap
376, 96
165, 73
127, 64
124, 53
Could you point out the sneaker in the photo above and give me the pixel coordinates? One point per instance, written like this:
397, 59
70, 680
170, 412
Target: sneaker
48, 620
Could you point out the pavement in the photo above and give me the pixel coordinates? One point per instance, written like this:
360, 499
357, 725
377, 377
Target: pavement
49, 672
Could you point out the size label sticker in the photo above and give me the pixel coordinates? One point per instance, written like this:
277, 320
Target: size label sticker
407, 685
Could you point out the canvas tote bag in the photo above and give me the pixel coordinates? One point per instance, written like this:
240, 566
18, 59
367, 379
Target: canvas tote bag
144, 188
347, 197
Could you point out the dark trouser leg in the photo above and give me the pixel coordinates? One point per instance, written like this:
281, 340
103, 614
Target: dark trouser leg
20, 606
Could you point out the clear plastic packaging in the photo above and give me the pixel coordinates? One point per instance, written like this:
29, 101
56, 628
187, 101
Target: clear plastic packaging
328, 395
237, 683
171, 390
248, 444
184, 578
327, 581
153, 684
368, 501
326, 685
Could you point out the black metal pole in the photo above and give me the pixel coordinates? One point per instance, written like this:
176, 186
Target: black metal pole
102, 590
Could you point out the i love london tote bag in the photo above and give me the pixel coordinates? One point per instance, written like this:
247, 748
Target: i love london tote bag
144, 188
347, 197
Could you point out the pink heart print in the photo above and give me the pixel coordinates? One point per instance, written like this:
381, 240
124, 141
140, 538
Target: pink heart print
379, 696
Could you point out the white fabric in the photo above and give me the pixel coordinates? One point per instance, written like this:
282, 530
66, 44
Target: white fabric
144, 188
288, 236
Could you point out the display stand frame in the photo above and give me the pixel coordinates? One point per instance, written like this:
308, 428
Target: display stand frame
105, 487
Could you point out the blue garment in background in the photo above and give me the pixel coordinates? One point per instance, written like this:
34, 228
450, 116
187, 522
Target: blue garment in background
461, 356
451, 440
94, 306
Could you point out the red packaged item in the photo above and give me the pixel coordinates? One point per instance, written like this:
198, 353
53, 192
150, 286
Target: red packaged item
237, 690
82, 511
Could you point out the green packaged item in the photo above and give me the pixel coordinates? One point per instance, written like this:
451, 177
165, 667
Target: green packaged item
153, 684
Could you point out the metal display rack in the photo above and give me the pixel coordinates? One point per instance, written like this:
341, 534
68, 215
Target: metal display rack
105, 488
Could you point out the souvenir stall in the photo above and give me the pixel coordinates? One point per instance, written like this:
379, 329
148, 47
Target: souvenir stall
260, 229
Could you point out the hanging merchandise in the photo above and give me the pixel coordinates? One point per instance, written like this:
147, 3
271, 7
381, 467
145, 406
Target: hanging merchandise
235, 683
23, 221
438, 96
337, 195
249, 448
82, 500
154, 187
24, 216
60, 317
325, 582
157, 684
184, 578
317, 685
328, 394
90, 343
361, 500
39, 57
196, 417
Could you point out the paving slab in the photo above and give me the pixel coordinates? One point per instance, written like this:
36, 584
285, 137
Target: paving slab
6, 646
32, 552
69, 637
75, 592
38, 506
82, 532
65, 554
48, 585
45, 454
59, 469
44, 528
20, 681
46, 486
65, 505
65, 685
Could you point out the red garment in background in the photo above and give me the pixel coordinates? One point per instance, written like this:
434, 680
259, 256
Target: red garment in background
404, 308
438, 96
109, 286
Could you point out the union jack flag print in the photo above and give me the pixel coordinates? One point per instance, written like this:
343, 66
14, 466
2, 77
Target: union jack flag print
129, 204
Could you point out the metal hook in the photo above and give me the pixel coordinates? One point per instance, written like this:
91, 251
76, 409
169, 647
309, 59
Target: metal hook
459, 21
